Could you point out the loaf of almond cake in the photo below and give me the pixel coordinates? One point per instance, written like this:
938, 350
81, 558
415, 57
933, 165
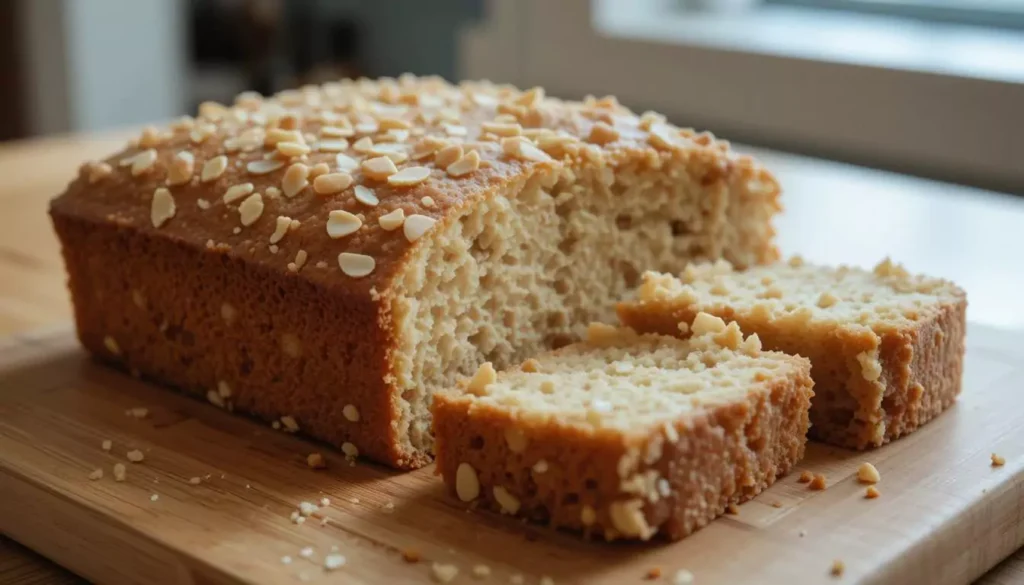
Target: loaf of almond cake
327, 257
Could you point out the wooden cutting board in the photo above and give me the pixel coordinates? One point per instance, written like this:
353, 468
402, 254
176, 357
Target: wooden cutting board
945, 515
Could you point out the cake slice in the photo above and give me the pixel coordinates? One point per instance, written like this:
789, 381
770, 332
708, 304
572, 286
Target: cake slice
886, 346
627, 436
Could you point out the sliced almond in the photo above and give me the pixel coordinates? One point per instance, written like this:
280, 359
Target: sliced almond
409, 177
416, 225
356, 266
366, 196
393, 220
214, 168
342, 223
332, 183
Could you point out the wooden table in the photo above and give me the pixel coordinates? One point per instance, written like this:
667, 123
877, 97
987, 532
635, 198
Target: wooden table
836, 213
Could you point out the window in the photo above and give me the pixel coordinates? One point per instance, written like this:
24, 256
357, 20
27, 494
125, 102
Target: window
995, 13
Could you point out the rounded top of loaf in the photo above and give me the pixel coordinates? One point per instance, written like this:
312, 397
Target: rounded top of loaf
340, 182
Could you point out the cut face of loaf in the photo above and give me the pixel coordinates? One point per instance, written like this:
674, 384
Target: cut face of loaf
624, 435
335, 254
886, 346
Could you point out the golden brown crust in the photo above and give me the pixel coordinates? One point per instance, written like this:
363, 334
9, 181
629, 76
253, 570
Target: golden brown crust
920, 359
722, 455
154, 218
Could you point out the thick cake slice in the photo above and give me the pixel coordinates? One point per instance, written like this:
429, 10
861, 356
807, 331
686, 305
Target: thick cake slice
627, 435
886, 346
327, 257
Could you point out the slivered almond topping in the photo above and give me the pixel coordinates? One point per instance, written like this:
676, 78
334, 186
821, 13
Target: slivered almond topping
351, 413
409, 177
214, 168
281, 228
507, 129
356, 266
398, 153
467, 484
332, 183
531, 97
379, 168
336, 132
385, 124
521, 148
181, 169
151, 137
448, 155
427, 146
292, 148
663, 137
455, 130
143, 162
319, 169
264, 166
236, 192
295, 180
95, 171
276, 136
332, 145
416, 225
465, 165
342, 223
601, 133
363, 145
346, 163
508, 502
162, 207
251, 209
366, 196
393, 220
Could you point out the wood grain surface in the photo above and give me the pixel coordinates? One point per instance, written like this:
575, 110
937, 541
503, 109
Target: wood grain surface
946, 515
939, 228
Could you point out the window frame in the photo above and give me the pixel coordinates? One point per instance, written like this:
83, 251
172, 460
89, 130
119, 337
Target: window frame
929, 10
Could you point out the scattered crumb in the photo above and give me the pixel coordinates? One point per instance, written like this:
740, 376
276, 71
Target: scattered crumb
732, 509
354, 500
276, 425
154, 497
818, 483
867, 473
516, 579
324, 502
872, 492
316, 461
286, 560
802, 533
324, 521
307, 509
334, 561
389, 506
481, 571
107, 444
120, 471
682, 577
96, 474
137, 412
653, 573
411, 555
444, 573
998, 460
306, 552
136, 456
805, 477
776, 504
194, 480
837, 568
545, 580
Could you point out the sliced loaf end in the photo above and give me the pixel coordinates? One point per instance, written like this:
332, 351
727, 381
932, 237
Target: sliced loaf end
626, 436
887, 346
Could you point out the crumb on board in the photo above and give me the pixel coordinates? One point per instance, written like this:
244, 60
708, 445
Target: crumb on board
107, 444
837, 568
120, 472
481, 571
805, 477
867, 473
776, 504
732, 509
682, 577
194, 480
818, 483
444, 573
316, 461
802, 533
653, 573
411, 555
136, 456
96, 474
998, 460
872, 492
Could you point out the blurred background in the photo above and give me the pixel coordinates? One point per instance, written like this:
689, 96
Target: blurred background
933, 88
